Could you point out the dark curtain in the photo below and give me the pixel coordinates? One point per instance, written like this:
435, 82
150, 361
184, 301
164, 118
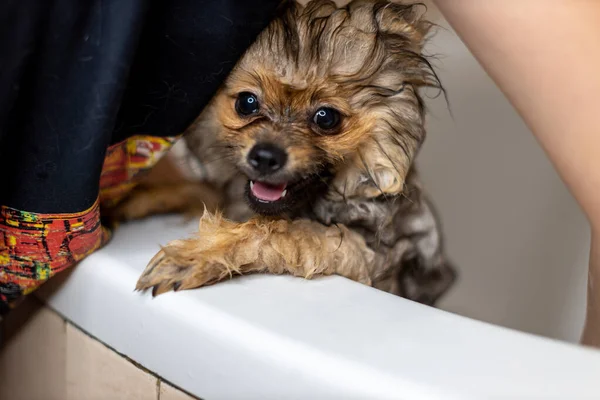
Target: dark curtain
89, 90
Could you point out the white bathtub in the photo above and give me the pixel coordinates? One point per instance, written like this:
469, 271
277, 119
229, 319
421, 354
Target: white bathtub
512, 229
268, 337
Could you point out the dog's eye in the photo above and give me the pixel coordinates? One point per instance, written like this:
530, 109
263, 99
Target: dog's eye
327, 118
246, 104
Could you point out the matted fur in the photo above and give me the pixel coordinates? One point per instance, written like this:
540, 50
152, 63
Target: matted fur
364, 59
261, 245
373, 223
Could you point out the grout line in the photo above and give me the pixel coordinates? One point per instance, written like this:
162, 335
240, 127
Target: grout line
130, 360
157, 389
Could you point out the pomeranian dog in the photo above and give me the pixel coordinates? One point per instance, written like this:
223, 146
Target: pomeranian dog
306, 155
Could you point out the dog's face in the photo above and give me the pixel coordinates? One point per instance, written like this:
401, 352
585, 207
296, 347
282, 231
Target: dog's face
326, 100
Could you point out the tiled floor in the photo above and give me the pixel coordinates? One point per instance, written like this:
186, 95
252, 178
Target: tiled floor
43, 357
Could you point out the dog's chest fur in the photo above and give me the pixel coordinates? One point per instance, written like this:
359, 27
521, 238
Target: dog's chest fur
405, 234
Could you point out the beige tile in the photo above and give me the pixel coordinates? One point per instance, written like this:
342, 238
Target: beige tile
168, 392
95, 372
32, 356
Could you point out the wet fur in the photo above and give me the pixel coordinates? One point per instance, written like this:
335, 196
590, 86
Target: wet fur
371, 222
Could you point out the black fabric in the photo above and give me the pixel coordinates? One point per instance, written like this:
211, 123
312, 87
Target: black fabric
79, 75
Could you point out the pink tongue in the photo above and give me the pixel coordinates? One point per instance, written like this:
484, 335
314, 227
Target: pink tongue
266, 192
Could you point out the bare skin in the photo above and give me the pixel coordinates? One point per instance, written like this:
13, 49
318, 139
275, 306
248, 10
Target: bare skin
544, 56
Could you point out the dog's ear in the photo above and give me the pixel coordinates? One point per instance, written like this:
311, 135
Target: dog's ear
403, 22
390, 100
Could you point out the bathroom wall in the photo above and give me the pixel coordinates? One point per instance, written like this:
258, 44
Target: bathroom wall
512, 228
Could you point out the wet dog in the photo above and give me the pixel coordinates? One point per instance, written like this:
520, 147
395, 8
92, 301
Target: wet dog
309, 149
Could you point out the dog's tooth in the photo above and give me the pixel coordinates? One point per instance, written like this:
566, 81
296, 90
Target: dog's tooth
284, 193
251, 184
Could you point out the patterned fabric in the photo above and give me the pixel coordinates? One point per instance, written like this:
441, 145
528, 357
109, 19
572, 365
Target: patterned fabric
92, 94
127, 160
34, 247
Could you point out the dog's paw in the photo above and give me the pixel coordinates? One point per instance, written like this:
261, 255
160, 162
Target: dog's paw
176, 268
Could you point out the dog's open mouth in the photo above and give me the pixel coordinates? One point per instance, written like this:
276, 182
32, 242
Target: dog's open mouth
278, 198
268, 193
272, 199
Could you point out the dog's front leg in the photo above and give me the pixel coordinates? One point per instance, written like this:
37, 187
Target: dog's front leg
223, 248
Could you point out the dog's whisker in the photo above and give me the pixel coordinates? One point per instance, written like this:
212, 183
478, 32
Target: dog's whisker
403, 194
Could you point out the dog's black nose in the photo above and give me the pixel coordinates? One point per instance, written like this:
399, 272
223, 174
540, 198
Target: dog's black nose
267, 158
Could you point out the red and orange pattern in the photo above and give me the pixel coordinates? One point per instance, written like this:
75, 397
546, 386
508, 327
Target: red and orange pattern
34, 247
125, 161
